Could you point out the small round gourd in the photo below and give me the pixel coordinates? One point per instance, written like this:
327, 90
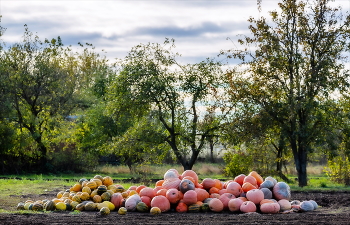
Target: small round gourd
155, 211
20, 206
49, 206
122, 211
142, 207
105, 211
37, 207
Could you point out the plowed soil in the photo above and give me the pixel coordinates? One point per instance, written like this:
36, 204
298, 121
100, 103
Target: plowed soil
334, 209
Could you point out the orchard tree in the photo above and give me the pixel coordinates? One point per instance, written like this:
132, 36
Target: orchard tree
152, 80
292, 65
41, 79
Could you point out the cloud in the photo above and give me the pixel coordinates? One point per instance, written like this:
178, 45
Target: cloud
200, 27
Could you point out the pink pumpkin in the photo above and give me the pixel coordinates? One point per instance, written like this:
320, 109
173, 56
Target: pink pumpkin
235, 204
225, 198
270, 208
190, 197
116, 199
255, 195
171, 183
147, 200
248, 206
147, 191
161, 202
216, 205
234, 188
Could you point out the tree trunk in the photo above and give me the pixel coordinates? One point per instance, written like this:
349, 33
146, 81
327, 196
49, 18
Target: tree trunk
43, 154
211, 146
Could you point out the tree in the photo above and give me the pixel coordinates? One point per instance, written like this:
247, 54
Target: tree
152, 79
293, 65
41, 82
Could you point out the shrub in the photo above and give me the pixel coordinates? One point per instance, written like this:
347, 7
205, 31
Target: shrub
237, 163
339, 169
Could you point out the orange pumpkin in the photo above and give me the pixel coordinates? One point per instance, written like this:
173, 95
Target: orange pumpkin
161, 202
250, 179
258, 178
181, 207
162, 192
159, 183
213, 190
240, 179
247, 186
208, 183
192, 174
173, 195
139, 188
267, 201
201, 194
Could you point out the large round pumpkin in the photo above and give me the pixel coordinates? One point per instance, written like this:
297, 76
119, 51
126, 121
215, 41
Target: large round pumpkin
116, 199
255, 195
248, 206
201, 194
234, 188
281, 191
131, 202
186, 185
147, 191
161, 202
216, 205
190, 197
270, 208
235, 204
225, 198
173, 195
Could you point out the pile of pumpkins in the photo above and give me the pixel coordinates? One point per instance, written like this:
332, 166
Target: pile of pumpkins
177, 192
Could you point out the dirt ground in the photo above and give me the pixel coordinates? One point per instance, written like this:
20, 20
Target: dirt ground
334, 209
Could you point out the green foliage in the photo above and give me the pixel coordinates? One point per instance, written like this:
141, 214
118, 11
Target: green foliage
237, 163
338, 169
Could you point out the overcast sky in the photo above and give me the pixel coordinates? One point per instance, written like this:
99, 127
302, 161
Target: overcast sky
199, 27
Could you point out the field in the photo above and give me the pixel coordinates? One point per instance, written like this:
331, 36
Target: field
334, 205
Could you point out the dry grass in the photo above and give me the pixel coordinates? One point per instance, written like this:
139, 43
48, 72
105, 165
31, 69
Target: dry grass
312, 170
